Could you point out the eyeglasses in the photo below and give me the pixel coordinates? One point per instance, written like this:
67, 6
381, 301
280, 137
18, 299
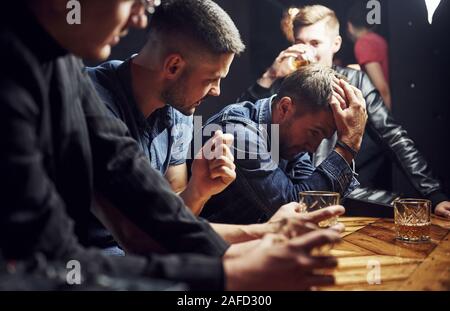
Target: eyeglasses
150, 5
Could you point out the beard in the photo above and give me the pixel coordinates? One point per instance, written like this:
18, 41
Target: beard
174, 95
286, 151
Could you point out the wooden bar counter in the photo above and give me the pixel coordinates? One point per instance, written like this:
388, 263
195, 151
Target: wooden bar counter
369, 249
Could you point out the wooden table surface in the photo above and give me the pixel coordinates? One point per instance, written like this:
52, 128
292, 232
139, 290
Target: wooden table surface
369, 249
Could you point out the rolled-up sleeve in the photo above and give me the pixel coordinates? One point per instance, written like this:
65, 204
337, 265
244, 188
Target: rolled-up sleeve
182, 136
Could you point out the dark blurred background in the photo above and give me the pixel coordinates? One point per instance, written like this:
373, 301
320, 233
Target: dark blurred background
419, 66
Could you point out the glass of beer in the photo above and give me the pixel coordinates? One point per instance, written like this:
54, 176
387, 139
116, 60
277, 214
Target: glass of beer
306, 58
296, 63
314, 200
412, 219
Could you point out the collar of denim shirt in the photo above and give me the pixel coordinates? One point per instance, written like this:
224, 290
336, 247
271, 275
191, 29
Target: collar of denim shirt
264, 107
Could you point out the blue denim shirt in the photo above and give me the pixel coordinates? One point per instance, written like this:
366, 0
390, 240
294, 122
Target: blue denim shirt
164, 136
263, 182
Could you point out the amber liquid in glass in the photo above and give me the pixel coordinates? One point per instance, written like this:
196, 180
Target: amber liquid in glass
414, 232
296, 63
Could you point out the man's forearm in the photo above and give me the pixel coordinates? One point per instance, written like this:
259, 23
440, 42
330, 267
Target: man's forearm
334, 174
266, 80
239, 249
193, 200
243, 233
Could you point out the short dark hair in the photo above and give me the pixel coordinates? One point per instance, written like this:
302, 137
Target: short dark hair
202, 20
357, 15
310, 87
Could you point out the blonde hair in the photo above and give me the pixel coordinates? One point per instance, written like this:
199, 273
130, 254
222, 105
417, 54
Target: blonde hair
306, 16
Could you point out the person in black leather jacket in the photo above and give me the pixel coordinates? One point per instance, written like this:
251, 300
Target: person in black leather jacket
316, 37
